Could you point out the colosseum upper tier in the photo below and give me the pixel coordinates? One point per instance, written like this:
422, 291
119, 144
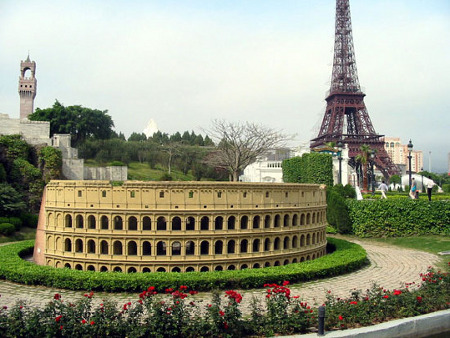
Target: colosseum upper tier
179, 226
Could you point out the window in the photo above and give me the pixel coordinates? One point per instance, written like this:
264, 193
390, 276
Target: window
245, 194
104, 193
80, 193
219, 194
191, 194
267, 194
161, 194
132, 194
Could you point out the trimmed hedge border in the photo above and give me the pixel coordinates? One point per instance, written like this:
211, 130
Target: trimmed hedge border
346, 257
399, 217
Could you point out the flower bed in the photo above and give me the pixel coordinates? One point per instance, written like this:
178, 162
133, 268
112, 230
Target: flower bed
346, 257
173, 314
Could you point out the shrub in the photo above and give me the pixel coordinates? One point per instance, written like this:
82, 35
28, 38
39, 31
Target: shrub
7, 229
11, 201
116, 164
16, 221
349, 191
310, 168
337, 210
347, 257
446, 188
29, 220
166, 177
399, 217
175, 314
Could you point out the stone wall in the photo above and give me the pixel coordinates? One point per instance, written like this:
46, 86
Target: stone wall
114, 173
34, 132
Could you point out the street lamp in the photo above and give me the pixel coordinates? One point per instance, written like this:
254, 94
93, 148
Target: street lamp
340, 146
410, 148
372, 162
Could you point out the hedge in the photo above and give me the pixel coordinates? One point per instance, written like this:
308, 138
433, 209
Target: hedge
310, 168
399, 217
7, 229
347, 257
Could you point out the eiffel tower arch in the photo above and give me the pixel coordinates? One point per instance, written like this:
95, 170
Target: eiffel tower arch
346, 117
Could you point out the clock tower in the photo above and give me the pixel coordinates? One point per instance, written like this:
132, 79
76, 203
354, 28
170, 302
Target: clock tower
27, 87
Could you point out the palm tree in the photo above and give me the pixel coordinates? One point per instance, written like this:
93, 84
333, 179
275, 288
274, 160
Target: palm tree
363, 159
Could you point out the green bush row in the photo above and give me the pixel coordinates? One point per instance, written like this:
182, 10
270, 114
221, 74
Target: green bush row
405, 195
399, 217
7, 229
347, 257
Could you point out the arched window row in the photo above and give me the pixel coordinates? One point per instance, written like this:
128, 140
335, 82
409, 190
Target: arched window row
190, 223
189, 247
202, 268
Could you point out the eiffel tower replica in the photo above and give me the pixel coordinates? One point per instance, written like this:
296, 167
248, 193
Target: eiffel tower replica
346, 118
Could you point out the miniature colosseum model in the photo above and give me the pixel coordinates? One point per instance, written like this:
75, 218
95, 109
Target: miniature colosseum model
179, 226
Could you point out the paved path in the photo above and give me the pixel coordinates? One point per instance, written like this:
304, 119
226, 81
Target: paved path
390, 268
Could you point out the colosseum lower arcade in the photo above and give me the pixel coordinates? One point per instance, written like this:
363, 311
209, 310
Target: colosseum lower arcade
179, 226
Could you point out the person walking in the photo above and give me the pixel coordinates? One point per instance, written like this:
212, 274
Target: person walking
412, 190
430, 186
384, 188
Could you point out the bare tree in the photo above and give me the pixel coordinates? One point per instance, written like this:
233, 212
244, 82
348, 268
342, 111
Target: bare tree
239, 144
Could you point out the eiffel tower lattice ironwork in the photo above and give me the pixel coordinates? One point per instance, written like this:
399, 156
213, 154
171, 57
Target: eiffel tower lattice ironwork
346, 118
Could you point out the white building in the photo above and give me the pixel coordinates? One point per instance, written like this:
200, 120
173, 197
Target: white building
269, 168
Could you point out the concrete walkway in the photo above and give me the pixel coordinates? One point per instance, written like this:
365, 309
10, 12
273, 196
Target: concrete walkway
390, 268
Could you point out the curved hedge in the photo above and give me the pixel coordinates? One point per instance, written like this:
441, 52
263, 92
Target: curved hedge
347, 257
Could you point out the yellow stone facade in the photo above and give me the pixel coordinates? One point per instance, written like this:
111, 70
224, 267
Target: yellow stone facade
179, 226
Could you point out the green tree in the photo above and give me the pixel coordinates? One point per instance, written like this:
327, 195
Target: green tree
50, 160
80, 122
11, 201
137, 137
363, 159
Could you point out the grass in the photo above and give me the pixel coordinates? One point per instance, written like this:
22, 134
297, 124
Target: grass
23, 234
143, 172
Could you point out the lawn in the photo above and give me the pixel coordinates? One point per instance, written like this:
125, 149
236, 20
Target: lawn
142, 172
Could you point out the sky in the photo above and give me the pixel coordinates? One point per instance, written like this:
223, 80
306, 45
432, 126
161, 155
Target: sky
186, 63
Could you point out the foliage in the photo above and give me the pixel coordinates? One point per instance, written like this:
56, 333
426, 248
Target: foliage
159, 152
82, 123
446, 188
175, 314
50, 160
310, 168
16, 221
363, 159
399, 217
166, 177
15, 147
404, 195
347, 257
11, 201
239, 144
337, 210
395, 179
29, 220
3, 174
7, 229
378, 304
